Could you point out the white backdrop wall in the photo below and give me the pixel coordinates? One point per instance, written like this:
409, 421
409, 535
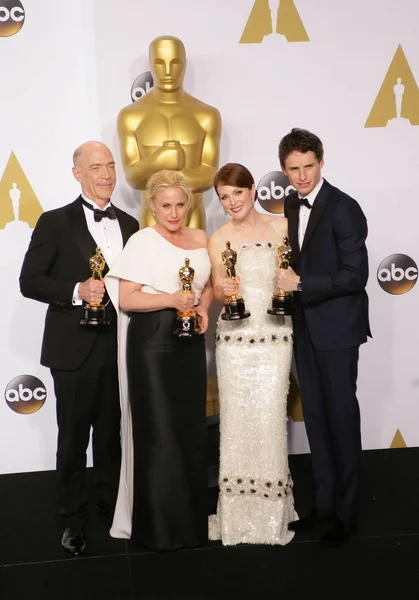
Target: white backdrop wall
69, 72
48, 105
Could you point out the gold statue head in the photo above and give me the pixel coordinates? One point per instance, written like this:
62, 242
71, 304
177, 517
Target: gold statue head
167, 63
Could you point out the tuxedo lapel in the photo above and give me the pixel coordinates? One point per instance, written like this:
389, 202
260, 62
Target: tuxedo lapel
79, 227
316, 214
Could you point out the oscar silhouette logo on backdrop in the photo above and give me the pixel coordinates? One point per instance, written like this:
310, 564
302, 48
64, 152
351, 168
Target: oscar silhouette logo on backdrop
397, 274
397, 102
273, 18
272, 190
12, 17
19, 206
142, 85
25, 394
398, 440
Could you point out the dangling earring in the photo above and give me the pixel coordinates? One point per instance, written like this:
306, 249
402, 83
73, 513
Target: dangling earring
154, 213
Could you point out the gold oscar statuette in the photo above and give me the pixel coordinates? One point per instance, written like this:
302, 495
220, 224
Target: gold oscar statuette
170, 129
234, 307
95, 312
186, 319
282, 302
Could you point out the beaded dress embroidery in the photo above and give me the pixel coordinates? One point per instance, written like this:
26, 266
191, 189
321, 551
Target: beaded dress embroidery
253, 358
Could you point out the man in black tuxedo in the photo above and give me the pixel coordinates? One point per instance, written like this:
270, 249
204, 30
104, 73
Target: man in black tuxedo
327, 232
83, 360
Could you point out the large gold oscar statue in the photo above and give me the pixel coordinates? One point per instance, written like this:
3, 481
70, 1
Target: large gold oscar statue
170, 129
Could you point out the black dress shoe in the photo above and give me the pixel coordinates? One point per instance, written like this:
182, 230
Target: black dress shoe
321, 518
304, 524
105, 509
339, 534
73, 541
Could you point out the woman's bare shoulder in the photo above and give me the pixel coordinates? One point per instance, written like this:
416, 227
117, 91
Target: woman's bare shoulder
280, 225
220, 234
200, 236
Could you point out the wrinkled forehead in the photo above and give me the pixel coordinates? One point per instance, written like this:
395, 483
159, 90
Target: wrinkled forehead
99, 155
167, 50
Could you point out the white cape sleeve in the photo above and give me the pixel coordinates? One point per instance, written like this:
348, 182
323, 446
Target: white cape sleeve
132, 264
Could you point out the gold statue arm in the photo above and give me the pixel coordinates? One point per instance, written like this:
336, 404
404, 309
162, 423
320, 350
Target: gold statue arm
201, 178
170, 155
138, 167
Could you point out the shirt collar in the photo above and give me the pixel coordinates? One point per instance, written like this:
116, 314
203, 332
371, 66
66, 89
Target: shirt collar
313, 194
93, 203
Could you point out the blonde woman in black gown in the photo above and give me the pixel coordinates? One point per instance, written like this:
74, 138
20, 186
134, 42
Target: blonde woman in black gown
162, 494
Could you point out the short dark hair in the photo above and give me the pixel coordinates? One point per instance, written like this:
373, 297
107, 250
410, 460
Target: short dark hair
300, 140
234, 174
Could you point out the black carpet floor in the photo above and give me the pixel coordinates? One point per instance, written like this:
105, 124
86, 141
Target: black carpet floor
380, 562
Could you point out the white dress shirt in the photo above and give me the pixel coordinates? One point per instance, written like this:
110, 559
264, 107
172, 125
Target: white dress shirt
107, 235
305, 212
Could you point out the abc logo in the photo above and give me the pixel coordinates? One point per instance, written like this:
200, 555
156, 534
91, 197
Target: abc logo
25, 394
272, 190
141, 86
397, 274
12, 17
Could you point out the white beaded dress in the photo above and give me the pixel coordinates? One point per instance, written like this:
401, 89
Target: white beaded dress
253, 358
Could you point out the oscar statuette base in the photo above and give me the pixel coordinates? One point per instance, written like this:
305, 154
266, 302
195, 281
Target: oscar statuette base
95, 317
282, 305
234, 309
186, 325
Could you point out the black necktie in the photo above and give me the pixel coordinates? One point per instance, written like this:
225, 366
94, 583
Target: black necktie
305, 202
98, 214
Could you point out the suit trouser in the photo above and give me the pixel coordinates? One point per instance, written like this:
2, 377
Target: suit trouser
332, 419
88, 398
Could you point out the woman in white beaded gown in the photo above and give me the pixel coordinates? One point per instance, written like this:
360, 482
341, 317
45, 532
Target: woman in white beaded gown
253, 358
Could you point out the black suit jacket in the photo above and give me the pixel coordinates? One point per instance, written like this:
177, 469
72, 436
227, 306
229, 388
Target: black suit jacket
56, 260
333, 266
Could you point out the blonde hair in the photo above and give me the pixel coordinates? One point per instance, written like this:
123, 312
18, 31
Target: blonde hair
168, 179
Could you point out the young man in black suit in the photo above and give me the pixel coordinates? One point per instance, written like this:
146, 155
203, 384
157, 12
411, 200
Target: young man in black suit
83, 360
327, 232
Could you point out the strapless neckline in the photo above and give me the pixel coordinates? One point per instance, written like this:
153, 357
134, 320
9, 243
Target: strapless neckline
259, 244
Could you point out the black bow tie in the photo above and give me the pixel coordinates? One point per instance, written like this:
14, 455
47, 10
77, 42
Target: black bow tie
98, 214
305, 202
